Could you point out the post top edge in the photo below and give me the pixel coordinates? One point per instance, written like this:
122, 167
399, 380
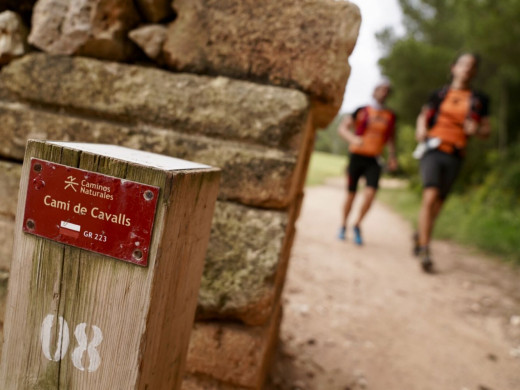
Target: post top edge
135, 156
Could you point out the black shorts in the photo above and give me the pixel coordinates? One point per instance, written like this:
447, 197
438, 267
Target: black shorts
439, 170
363, 166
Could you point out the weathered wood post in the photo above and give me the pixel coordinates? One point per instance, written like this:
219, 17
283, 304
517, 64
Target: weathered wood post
108, 255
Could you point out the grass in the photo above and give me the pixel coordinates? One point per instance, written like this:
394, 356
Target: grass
493, 228
464, 219
323, 166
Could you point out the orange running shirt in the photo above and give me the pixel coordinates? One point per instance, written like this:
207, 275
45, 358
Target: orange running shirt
376, 127
453, 111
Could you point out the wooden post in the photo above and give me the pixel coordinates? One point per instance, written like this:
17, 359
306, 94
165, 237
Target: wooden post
79, 319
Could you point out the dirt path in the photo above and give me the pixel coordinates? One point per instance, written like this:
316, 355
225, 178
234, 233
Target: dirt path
368, 318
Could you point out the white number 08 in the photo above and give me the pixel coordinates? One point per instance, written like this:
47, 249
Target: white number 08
64, 339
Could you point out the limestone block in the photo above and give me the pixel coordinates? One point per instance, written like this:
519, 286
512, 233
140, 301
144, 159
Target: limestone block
13, 37
5, 94
193, 382
6, 243
10, 173
155, 10
250, 174
214, 107
150, 39
243, 258
294, 43
93, 28
232, 354
241, 263
245, 254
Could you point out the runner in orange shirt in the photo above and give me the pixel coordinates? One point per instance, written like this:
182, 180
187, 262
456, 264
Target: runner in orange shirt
452, 115
367, 131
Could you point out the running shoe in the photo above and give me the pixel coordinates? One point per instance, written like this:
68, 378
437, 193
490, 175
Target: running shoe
358, 240
425, 260
416, 246
342, 233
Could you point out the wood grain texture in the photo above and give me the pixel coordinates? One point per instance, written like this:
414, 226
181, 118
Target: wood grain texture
145, 314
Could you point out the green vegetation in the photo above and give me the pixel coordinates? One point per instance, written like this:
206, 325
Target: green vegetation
493, 229
464, 220
323, 166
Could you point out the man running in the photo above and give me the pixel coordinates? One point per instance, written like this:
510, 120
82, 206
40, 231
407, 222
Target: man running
452, 115
367, 131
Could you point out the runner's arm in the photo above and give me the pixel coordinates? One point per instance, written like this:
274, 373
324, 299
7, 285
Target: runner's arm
345, 130
392, 159
481, 130
390, 144
421, 130
478, 123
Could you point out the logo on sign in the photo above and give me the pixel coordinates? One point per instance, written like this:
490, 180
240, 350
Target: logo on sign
71, 183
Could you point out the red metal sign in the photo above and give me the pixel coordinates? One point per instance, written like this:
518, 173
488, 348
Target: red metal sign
88, 210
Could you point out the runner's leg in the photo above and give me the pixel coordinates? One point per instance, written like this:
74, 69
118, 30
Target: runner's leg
354, 171
347, 207
430, 207
431, 175
433, 197
372, 175
369, 195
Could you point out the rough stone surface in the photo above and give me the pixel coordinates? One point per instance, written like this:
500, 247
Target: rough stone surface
5, 94
232, 354
246, 244
214, 107
193, 382
303, 44
10, 174
250, 174
241, 264
6, 242
13, 37
150, 39
93, 28
155, 10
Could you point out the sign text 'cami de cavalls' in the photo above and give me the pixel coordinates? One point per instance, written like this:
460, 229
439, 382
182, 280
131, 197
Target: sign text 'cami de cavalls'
89, 210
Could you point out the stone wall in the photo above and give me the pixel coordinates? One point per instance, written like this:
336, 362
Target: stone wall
233, 84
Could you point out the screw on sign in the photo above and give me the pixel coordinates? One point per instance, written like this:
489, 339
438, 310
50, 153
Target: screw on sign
63, 340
